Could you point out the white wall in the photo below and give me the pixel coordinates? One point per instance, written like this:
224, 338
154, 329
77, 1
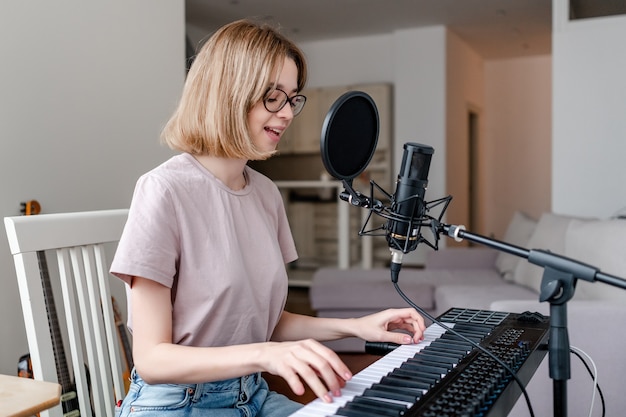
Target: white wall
517, 140
83, 109
437, 77
420, 106
413, 59
85, 88
589, 108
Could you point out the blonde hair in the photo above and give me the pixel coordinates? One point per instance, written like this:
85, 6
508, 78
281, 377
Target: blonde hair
231, 73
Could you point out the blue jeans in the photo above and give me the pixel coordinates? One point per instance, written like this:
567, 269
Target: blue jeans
248, 396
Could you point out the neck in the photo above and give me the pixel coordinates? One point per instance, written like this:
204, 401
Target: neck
229, 171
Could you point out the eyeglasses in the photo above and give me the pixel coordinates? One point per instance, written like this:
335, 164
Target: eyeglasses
276, 99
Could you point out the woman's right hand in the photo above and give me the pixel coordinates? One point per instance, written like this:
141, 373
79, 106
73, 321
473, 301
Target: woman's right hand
307, 361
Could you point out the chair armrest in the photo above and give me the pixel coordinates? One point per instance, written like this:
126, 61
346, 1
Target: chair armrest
457, 258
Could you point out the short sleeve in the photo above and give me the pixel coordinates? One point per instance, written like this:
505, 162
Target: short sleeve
150, 244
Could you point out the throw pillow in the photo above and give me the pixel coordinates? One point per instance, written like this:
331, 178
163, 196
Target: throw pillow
517, 233
599, 244
549, 235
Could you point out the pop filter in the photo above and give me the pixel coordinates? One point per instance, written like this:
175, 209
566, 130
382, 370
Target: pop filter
349, 135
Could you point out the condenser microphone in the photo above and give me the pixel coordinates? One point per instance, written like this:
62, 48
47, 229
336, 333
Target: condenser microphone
408, 205
348, 142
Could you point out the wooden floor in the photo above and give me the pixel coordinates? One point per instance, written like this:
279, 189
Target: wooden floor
298, 302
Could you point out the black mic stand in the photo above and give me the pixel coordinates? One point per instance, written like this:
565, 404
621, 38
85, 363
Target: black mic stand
557, 287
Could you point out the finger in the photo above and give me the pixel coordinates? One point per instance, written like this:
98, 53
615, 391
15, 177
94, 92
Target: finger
328, 356
329, 375
322, 369
341, 381
415, 320
294, 382
310, 376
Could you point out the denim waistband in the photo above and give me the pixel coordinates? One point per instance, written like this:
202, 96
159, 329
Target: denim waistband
244, 384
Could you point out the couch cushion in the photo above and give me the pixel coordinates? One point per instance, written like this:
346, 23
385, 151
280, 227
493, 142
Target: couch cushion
372, 289
480, 257
600, 244
518, 233
549, 235
478, 296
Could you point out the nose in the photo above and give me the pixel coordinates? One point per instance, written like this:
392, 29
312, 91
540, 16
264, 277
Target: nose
286, 112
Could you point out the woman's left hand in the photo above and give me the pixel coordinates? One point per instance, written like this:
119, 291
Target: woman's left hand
379, 327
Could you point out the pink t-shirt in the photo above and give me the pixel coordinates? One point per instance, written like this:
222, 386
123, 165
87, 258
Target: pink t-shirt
222, 252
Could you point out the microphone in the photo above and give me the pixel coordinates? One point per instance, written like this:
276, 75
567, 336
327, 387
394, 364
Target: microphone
408, 206
347, 145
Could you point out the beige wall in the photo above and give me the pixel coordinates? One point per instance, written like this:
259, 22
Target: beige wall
464, 91
517, 140
437, 77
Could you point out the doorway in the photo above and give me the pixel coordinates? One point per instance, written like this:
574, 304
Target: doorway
473, 192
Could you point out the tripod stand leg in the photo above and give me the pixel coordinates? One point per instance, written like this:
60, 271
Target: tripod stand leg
559, 357
560, 398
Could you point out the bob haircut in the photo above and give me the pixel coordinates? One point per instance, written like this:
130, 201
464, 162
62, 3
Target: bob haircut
232, 72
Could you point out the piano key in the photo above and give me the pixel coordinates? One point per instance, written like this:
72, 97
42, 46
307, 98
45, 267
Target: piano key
398, 382
437, 360
371, 375
405, 382
386, 392
415, 375
441, 349
351, 412
458, 346
401, 408
418, 365
358, 409
452, 336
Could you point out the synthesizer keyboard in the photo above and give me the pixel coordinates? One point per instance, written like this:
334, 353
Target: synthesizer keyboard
445, 375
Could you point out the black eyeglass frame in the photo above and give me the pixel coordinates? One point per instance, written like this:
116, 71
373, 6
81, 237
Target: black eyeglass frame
286, 100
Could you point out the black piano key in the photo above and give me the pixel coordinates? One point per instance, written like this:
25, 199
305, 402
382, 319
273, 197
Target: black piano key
462, 348
485, 328
347, 412
448, 352
424, 384
441, 352
416, 375
438, 359
399, 381
380, 410
376, 402
460, 345
385, 392
450, 336
471, 332
417, 392
420, 366
423, 360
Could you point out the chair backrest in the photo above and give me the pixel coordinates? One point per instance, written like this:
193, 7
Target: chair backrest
77, 241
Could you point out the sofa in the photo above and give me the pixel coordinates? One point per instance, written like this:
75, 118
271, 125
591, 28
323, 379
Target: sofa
479, 277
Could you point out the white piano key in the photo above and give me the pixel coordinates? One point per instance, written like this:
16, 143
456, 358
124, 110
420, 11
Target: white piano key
371, 375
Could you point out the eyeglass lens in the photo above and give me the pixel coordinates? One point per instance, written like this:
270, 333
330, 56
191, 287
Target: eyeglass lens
277, 99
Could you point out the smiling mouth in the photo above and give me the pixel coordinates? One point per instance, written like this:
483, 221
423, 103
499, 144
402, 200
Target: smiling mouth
273, 131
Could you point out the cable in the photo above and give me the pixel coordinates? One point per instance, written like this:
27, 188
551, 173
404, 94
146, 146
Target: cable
594, 375
476, 345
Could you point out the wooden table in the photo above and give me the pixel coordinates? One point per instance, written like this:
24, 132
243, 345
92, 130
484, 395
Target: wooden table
23, 397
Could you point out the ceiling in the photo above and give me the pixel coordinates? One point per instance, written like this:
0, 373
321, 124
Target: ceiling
496, 29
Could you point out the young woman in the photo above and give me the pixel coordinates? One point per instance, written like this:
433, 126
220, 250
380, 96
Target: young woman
204, 250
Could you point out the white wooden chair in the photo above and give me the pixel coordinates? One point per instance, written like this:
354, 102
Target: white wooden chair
78, 243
